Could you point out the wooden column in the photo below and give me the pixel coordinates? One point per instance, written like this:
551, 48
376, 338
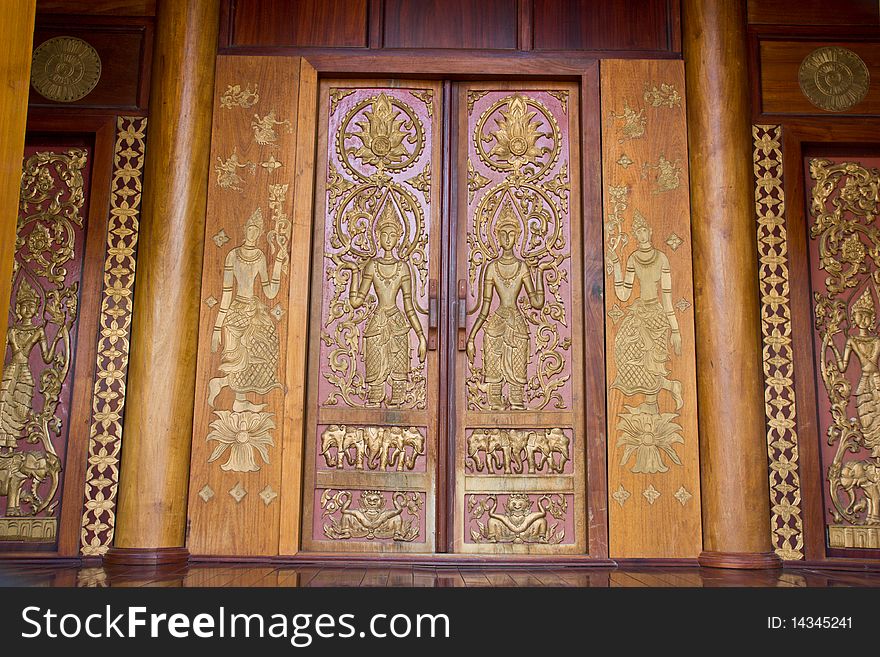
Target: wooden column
16, 41
733, 450
151, 517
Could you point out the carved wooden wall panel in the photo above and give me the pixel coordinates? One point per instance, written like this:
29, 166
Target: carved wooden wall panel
371, 438
845, 284
114, 53
817, 78
653, 450
243, 426
518, 379
41, 342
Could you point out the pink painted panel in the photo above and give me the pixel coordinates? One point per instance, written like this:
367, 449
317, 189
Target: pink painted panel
520, 518
379, 172
371, 449
519, 176
528, 452
369, 516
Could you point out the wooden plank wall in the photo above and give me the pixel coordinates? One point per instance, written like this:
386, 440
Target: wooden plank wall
245, 427
653, 450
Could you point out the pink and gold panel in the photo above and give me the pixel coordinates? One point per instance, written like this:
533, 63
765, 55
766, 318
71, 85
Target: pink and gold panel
844, 254
373, 373
519, 383
36, 389
520, 518
380, 517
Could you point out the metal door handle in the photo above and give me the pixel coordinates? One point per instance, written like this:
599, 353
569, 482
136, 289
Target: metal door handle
433, 310
462, 315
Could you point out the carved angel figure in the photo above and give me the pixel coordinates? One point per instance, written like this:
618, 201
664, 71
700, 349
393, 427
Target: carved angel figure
17, 387
249, 360
866, 346
641, 346
506, 348
386, 336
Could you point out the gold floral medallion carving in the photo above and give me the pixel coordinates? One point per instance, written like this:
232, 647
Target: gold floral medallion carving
780, 403
517, 251
833, 78
844, 207
523, 520
376, 255
108, 399
65, 69
372, 519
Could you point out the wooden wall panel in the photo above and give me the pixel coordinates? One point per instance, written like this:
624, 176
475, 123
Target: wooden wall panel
780, 91
653, 445
603, 25
240, 427
327, 23
97, 7
489, 24
814, 12
124, 46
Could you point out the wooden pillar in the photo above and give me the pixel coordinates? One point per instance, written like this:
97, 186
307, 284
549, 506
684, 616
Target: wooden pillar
733, 450
151, 516
16, 42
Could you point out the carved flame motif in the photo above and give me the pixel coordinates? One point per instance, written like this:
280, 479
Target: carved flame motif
517, 135
380, 135
845, 204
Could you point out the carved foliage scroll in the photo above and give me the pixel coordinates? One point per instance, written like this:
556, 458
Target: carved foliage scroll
40, 341
782, 438
108, 401
845, 258
652, 431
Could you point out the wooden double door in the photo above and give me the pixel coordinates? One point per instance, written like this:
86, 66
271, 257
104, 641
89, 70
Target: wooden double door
446, 390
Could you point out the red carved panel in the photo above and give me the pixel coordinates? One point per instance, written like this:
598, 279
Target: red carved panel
37, 384
328, 23
845, 286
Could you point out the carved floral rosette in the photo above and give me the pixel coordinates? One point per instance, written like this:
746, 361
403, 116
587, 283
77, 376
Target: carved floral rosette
393, 516
40, 340
520, 518
518, 167
378, 172
371, 448
845, 259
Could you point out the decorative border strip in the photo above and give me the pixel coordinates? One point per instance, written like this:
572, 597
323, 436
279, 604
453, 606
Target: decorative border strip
108, 402
779, 399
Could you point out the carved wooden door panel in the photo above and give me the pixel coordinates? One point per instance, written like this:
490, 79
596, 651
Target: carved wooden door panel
519, 430
370, 467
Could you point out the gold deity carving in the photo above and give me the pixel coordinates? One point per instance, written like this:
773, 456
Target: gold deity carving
518, 243
371, 520
518, 523
243, 327
641, 345
376, 259
506, 347
387, 352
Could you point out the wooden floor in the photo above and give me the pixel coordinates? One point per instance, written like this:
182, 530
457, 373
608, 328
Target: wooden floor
246, 575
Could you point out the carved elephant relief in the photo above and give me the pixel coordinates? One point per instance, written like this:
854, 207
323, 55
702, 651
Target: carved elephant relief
385, 448
862, 475
516, 451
